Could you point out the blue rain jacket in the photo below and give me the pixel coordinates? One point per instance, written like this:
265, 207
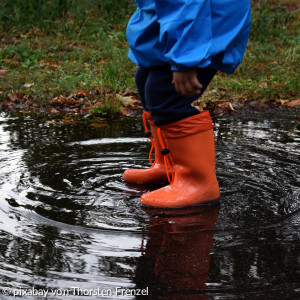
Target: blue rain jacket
189, 33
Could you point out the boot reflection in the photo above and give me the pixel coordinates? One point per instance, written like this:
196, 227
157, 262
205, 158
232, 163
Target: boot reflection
176, 261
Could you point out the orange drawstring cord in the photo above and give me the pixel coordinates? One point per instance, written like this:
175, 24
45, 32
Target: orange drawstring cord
148, 134
165, 151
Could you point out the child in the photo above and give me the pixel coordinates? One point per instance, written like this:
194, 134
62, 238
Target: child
179, 46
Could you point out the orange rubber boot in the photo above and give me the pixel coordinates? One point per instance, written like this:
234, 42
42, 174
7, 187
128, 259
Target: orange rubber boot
156, 173
189, 144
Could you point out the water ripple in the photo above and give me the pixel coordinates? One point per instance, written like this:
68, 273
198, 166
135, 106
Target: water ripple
66, 215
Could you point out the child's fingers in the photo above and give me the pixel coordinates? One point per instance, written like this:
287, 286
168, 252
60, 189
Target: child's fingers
187, 84
188, 90
196, 83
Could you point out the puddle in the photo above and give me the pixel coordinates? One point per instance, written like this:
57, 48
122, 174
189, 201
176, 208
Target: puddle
70, 225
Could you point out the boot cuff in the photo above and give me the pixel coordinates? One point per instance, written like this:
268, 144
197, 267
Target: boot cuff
191, 125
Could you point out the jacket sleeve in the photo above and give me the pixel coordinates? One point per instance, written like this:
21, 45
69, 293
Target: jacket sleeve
185, 32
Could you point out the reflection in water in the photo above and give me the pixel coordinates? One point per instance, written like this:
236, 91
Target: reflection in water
176, 254
67, 219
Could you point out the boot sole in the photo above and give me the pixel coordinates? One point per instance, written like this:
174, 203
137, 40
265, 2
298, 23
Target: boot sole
200, 205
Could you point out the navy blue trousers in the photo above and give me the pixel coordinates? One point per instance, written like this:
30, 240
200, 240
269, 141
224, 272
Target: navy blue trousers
158, 95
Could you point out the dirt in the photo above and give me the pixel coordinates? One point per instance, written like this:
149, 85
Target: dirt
82, 105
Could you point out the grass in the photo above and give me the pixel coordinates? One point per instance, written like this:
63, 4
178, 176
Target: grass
60, 62
89, 53
270, 69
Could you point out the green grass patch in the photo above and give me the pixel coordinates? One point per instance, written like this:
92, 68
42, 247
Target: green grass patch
87, 53
270, 69
84, 48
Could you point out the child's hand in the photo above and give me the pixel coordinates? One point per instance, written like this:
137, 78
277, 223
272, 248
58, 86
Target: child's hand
186, 83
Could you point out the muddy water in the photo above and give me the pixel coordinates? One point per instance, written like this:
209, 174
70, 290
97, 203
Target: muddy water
70, 227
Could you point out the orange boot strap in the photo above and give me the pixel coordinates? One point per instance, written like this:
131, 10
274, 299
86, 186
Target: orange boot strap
148, 134
164, 152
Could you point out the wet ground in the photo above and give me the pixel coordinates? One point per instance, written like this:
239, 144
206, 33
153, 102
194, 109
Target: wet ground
71, 227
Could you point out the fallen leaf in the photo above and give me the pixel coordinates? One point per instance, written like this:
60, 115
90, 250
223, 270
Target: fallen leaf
3, 71
42, 63
293, 103
12, 97
15, 58
292, 92
129, 92
129, 100
52, 64
5, 104
98, 104
231, 107
48, 108
70, 101
264, 85
223, 88
26, 96
85, 109
227, 105
28, 84
82, 94
281, 102
58, 101
101, 62
124, 111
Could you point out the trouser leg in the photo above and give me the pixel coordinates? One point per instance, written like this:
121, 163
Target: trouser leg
141, 77
160, 98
